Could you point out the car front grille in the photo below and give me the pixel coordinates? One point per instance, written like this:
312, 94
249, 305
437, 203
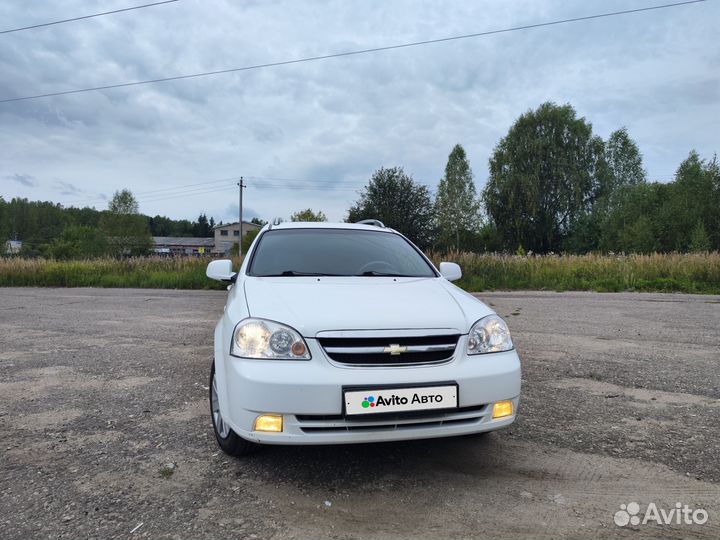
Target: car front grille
385, 351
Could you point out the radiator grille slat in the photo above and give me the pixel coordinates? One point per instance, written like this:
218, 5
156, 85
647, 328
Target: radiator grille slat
391, 351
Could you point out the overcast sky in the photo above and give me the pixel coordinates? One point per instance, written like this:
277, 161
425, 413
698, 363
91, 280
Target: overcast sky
327, 125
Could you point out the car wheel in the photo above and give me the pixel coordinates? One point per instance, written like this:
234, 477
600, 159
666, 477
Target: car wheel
230, 442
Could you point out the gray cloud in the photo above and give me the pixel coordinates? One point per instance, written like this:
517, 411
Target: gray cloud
338, 119
68, 189
24, 179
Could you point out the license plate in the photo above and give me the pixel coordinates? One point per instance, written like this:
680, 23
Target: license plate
385, 400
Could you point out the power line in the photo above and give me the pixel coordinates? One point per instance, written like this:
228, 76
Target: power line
229, 189
351, 53
102, 198
158, 191
260, 187
201, 188
317, 187
174, 188
307, 180
182, 193
222, 189
216, 186
192, 193
85, 17
158, 196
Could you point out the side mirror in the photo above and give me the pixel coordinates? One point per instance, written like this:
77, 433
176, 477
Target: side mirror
450, 271
221, 270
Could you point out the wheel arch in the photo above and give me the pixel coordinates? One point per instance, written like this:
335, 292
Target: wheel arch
220, 360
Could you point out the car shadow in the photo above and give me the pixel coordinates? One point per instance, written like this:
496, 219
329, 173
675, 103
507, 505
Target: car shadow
357, 466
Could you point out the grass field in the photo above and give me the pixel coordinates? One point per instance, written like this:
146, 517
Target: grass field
143, 272
692, 273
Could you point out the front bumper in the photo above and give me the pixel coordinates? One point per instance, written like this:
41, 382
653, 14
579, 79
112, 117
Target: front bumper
309, 396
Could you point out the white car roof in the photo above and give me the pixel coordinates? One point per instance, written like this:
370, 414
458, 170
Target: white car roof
327, 225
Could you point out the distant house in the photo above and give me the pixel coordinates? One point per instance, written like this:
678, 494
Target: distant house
13, 247
227, 235
183, 246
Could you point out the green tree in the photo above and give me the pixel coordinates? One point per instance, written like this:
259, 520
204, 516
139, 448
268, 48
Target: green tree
585, 232
632, 203
682, 214
624, 160
623, 172
699, 239
36, 223
308, 215
202, 227
4, 223
78, 242
639, 237
488, 239
247, 240
86, 217
457, 209
399, 202
712, 220
544, 175
127, 232
694, 196
123, 203
162, 226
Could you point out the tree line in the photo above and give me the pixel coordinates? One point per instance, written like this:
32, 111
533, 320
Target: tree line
49, 229
552, 186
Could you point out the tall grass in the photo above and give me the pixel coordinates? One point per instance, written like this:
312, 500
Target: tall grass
673, 272
692, 273
142, 272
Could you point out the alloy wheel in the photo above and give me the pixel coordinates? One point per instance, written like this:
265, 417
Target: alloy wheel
221, 428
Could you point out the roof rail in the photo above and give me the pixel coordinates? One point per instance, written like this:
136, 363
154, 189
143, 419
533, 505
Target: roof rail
374, 222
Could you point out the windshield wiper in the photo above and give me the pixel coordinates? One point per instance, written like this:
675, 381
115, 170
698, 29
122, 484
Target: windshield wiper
384, 274
298, 273
291, 273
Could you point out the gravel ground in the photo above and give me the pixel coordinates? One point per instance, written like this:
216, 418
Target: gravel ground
105, 432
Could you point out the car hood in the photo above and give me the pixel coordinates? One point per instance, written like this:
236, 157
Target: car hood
312, 305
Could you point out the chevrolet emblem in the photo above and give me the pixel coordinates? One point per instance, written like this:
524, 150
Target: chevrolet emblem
395, 349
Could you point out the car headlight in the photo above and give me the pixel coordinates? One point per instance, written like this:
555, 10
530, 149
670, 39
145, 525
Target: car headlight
259, 338
490, 334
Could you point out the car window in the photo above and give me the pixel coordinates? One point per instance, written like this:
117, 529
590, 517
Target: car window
336, 252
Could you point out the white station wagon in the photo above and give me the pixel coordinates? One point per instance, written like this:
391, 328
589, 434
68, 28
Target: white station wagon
347, 333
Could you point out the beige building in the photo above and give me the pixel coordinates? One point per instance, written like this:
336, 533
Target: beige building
227, 235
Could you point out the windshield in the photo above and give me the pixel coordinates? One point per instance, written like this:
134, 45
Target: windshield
336, 252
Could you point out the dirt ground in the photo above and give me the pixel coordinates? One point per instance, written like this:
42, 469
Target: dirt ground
100, 389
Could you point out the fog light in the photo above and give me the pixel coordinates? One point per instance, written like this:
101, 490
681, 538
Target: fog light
269, 422
502, 409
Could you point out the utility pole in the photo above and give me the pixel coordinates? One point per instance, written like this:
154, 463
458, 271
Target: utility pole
240, 234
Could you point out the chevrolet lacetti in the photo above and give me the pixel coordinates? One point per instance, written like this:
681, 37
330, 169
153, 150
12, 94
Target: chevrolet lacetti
347, 333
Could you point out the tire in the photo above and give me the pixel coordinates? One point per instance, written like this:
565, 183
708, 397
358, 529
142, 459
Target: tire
229, 441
